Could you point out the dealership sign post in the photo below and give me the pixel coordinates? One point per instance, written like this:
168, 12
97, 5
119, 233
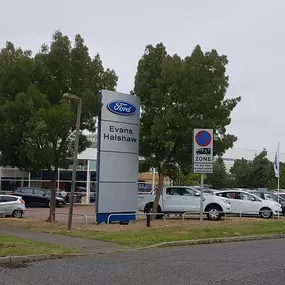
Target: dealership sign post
117, 159
202, 158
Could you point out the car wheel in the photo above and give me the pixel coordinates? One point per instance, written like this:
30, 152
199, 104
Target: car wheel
148, 209
17, 214
214, 213
265, 213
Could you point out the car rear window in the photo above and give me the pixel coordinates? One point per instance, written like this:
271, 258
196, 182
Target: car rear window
27, 190
8, 199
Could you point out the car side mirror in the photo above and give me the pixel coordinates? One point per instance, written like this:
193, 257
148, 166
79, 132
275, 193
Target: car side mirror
253, 199
44, 194
197, 194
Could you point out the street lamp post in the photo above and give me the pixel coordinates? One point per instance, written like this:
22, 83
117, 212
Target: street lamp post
76, 144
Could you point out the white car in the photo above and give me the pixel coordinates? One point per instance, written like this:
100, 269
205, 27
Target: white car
249, 204
12, 206
182, 199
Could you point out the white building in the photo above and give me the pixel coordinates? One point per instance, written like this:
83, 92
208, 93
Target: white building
11, 178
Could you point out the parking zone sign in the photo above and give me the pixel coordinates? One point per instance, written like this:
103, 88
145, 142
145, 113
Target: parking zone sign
203, 151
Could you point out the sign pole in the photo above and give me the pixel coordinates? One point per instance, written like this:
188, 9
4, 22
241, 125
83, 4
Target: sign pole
153, 178
201, 201
278, 178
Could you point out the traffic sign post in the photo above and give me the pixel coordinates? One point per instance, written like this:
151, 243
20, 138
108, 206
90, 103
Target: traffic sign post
203, 151
202, 158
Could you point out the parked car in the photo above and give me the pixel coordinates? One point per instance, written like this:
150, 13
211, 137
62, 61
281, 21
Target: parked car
12, 206
181, 199
281, 193
206, 190
249, 204
267, 195
79, 193
37, 196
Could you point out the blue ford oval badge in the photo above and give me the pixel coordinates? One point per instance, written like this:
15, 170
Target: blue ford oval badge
122, 108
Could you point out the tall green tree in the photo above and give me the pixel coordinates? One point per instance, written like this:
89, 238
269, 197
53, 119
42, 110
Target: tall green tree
242, 173
16, 71
262, 169
219, 178
180, 178
258, 173
178, 95
272, 182
37, 126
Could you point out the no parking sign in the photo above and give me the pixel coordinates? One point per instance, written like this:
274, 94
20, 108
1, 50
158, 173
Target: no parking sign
203, 151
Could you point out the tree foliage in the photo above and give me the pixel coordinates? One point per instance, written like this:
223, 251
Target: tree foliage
178, 95
272, 181
37, 125
189, 179
219, 178
242, 172
258, 173
261, 169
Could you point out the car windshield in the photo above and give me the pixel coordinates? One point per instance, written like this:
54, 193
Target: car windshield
282, 197
271, 197
46, 191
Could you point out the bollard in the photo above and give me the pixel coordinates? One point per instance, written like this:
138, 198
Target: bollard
147, 220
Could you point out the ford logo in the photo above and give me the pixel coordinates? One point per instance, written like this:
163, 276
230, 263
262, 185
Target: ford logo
122, 108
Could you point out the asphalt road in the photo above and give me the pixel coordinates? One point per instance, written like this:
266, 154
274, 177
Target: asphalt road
248, 263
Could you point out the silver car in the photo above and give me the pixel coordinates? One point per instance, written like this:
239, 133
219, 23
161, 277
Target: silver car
12, 206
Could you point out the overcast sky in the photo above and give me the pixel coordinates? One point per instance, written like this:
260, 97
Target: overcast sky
249, 32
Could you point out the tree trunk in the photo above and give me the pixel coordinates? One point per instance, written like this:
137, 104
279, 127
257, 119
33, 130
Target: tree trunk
51, 217
158, 194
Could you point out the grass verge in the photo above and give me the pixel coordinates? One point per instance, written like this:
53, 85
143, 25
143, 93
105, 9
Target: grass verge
135, 236
150, 236
10, 245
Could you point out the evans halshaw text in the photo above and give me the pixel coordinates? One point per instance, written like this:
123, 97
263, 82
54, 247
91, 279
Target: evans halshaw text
118, 136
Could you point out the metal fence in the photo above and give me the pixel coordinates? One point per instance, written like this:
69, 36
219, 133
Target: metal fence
88, 220
239, 214
36, 211
84, 216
